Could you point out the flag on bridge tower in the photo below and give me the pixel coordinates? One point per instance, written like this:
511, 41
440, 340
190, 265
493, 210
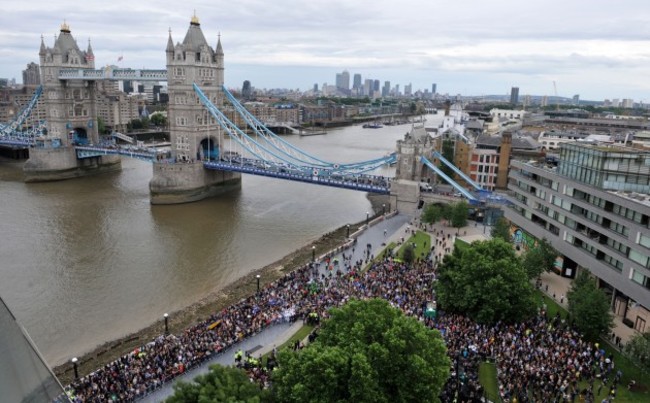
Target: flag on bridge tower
119, 59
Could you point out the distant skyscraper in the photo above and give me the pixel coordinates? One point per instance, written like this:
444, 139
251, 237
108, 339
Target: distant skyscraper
545, 100
345, 80
386, 90
576, 99
397, 90
32, 75
356, 83
316, 87
408, 89
514, 95
433, 88
375, 86
246, 91
367, 87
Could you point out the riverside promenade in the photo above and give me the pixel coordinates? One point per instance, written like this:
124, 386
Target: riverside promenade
379, 233
390, 228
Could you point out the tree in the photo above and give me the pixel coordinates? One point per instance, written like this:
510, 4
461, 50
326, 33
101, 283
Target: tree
101, 126
432, 213
459, 214
486, 282
539, 259
589, 307
220, 384
638, 350
408, 253
367, 351
158, 119
501, 229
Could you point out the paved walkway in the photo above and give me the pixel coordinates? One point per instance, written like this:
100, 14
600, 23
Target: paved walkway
556, 287
276, 335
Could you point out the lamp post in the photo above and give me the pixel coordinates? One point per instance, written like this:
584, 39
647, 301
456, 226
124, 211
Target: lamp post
74, 365
367, 217
166, 316
313, 254
258, 282
348, 227
383, 209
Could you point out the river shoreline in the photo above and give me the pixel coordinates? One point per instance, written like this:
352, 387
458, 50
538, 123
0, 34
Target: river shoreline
213, 302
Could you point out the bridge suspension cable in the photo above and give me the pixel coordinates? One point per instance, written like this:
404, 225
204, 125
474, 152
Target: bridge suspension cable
277, 155
11, 129
293, 152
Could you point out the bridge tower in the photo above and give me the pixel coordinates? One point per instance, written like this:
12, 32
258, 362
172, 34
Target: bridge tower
71, 112
405, 189
194, 134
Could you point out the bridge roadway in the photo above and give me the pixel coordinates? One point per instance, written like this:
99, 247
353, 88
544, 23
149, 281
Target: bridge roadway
364, 183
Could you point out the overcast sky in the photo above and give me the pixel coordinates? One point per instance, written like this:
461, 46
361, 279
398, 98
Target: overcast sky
598, 49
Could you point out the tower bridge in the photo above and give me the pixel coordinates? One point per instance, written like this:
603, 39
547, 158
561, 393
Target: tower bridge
208, 151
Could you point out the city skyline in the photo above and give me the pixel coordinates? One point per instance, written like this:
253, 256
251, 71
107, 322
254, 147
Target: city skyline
587, 48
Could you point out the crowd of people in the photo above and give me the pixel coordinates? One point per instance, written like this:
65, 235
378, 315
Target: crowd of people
538, 360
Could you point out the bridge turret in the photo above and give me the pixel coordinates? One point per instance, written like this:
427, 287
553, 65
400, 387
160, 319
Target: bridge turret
219, 59
170, 48
43, 49
194, 134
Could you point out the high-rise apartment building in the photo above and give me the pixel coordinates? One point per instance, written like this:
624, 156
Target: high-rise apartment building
433, 88
594, 208
386, 89
343, 80
32, 75
514, 95
356, 84
246, 91
576, 99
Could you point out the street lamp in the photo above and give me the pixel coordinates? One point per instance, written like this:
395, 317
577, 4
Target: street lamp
367, 217
74, 365
166, 316
313, 254
348, 227
258, 282
383, 209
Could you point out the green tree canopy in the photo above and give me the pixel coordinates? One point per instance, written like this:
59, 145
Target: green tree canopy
459, 213
408, 254
158, 119
638, 350
432, 213
501, 229
589, 307
220, 384
539, 259
367, 351
486, 282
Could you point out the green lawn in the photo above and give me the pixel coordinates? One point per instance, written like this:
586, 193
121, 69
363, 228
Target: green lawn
421, 239
487, 376
299, 335
460, 244
630, 371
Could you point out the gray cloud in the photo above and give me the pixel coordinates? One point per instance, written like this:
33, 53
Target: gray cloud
490, 45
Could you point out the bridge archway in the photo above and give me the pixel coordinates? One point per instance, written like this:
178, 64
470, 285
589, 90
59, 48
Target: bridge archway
208, 149
79, 136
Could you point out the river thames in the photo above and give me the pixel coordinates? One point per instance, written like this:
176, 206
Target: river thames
89, 260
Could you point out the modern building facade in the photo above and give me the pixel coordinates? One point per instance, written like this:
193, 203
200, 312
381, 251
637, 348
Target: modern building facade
32, 75
594, 208
514, 95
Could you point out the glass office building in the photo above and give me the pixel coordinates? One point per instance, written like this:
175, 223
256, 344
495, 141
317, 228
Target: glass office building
594, 208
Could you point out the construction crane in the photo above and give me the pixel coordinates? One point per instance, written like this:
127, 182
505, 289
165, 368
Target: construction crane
557, 100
